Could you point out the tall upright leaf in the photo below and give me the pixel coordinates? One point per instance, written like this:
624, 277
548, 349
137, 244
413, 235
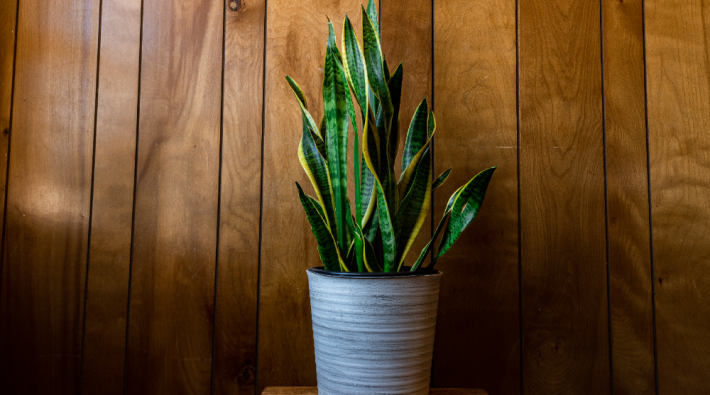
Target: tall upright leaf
372, 14
336, 115
375, 68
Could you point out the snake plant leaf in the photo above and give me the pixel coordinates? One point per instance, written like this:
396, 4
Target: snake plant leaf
320, 144
372, 14
389, 247
414, 208
336, 115
395, 86
427, 248
367, 191
327, 248
358, 240
375, 67
317, 170
371, 263
371, 158
464, 210
297, 91
439, 227
405, 181
303, 105
416, 136
369, 231
441, 179
355, 69
431, 124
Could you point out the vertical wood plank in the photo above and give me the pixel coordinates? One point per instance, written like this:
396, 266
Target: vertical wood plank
296, 37
44, 262
565, 315
627, 189
110, 249
8, 17
406, 38
475, 91
677, 35
235, 354
175, 224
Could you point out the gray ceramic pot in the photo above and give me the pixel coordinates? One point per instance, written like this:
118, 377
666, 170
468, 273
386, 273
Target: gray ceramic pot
373, 332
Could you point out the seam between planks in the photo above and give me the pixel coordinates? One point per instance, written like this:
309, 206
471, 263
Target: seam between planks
91, 201
219, 201
520, 229
9, 139
133, 216
650, 206
606, 199
261, 196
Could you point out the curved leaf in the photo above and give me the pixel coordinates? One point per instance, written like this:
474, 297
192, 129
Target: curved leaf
431, 124
465, 208
441, 179
416, 135
327, 249
414, 209
316, 168
304, 106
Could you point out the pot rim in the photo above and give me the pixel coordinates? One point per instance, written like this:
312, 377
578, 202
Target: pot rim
320, 270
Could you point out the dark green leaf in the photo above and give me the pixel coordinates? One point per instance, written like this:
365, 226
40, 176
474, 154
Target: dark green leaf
327, 249
441, 179
414, 209
465, 209
389, 248
416, 136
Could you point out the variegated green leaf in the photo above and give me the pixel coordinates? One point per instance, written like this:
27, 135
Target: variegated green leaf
441, 179
431, 124
395, 86
327, 249
336, 115
372, 14
375, 67
427, 248
302, 103
317, 170
389, 247
369, 231
414, 208
386, 69
355, 68
465, 209
416, 135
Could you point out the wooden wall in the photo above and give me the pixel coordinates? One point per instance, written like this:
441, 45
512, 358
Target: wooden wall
153, 243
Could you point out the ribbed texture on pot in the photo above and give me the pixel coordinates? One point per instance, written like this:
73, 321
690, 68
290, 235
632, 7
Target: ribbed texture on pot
373, 335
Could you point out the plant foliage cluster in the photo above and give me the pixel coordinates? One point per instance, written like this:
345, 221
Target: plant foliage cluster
389, 211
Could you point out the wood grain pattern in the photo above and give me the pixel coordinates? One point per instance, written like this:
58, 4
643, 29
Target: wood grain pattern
411, 45
565, 317
477, 121
8, 17
175, 235
110, 249
627, 191
678, 119
314, 391
235, 354
295, 46
44, 262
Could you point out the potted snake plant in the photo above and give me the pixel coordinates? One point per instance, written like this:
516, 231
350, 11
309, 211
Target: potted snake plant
373, 317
